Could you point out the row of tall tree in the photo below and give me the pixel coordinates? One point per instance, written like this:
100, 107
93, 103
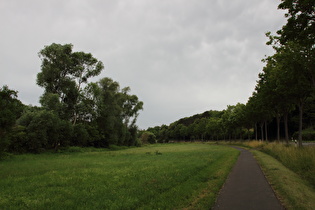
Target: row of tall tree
288, 78
73, 110
285, 86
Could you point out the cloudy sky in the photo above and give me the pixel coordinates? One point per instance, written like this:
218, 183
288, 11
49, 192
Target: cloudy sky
180, 57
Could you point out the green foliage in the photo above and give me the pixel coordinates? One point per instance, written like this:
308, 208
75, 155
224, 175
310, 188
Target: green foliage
10, 109
63, 73
80, 135
44, 130
294, 60
18, 140
148, 137
117, 113
211, 125
74, 112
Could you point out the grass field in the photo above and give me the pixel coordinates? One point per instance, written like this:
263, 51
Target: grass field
169, 176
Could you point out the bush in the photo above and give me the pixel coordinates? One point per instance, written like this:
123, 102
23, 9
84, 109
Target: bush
148, 137
18, 140
44, 130
138, 142
80, 135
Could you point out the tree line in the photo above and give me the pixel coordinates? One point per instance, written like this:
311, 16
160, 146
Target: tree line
284, 91
74, 111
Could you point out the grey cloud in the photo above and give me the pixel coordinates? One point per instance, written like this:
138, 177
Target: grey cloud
180, 57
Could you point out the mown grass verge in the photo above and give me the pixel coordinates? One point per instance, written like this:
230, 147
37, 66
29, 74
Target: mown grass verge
169, 176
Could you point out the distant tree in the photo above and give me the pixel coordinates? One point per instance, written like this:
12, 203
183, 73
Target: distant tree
148, 137
116, 112
214, 128
230, 121
183, 131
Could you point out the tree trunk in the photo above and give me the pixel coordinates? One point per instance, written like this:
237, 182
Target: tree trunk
286, 129
278, 127
75, 119
266, 131
300, 122
262, 131
256, 132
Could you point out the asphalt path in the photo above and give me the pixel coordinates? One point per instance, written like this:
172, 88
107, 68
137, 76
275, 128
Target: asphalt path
246, 187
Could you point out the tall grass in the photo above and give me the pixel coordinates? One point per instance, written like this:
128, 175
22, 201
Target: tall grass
170, 176
299, 160
293, 192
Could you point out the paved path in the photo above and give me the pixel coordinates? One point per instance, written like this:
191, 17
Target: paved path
246, 187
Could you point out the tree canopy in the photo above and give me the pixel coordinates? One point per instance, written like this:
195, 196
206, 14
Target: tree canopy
74, 111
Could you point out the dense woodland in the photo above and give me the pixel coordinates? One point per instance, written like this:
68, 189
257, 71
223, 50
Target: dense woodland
76, 112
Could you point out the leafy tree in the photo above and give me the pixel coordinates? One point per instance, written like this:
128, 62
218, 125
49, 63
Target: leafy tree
299, 30
183, 131
214, 127
63, 73
117, 112
229, 119
292, 82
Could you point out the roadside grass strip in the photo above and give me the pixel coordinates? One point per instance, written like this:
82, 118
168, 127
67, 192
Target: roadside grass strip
292, 190
165, 176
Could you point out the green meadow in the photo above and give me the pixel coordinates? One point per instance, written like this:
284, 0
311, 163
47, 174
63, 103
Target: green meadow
168, 176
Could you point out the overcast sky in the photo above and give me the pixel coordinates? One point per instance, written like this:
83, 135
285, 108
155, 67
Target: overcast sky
180, 57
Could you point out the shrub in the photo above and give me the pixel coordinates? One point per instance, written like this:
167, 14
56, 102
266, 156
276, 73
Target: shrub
18, 139
44, 130
148, 137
